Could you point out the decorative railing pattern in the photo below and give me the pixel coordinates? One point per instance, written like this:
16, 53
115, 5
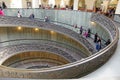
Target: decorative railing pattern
12, 50
14, 21
105, 22
65, 18
78, 68
60, 45
64, 50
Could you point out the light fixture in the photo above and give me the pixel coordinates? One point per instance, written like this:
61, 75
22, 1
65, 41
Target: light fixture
92, 22
36, 29
19, 28
52, 32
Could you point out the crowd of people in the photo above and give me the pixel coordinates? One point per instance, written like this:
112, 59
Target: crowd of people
110, 12
87, 33
66, 7
97, 39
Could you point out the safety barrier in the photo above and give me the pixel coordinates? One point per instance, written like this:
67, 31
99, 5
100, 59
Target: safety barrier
71, 70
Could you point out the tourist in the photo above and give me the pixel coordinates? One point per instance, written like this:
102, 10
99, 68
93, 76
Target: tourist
98, 46
55, 6
1, 12
99, 41
75, 26
81, 30
4, 5
46, 19
89, 32
95, 37
85, 33
19, 15
71, 7
32, 16
108, 42
0, 5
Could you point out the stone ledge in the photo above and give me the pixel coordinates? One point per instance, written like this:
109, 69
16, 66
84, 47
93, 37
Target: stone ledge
49, 26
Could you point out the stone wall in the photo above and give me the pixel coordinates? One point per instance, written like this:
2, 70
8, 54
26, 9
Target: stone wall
71, 70
14, 21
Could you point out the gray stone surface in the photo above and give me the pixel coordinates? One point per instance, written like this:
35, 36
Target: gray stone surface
73, 69
14, 21
56, 49
106, 23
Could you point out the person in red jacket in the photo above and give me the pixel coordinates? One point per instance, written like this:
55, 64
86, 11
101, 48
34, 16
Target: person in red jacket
1, 12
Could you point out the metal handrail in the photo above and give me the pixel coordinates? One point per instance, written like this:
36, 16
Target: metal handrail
77, 62
61, 43
74, 65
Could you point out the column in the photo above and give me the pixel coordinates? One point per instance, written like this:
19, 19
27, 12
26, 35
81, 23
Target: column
105, 5
118, 8
75, 5
67, 2
62, 4
40, 2
90, 4
51, 3
35, 3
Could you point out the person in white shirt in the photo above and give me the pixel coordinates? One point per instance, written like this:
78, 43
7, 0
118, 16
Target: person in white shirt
19, 15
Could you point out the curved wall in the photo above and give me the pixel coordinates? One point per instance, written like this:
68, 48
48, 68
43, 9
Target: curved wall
43, 56
72, 70
66, 16
14, 34
70, 18
14, 21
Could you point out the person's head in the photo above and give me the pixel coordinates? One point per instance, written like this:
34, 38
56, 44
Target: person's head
98, 38
0, 9
3, 2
